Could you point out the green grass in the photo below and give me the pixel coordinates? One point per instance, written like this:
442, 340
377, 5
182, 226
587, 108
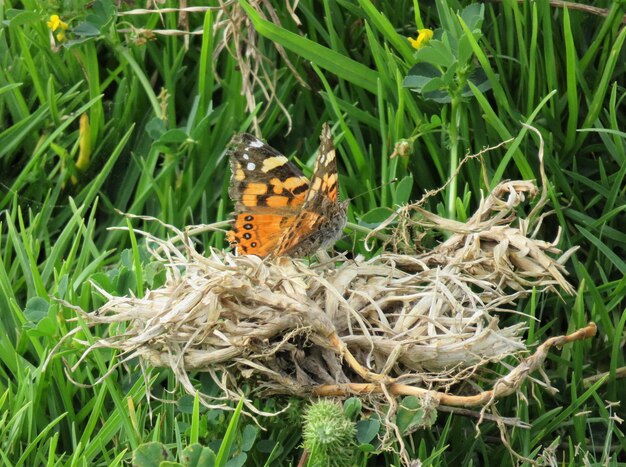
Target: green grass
161, 114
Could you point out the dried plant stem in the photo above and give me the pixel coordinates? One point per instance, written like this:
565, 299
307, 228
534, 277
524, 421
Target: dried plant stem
159, 32
575, 6
619, 373
304, 458
341, 348
503, 386
508, 421
195, 9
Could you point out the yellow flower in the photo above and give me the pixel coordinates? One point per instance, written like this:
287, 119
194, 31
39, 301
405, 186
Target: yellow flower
56, 23
423, 36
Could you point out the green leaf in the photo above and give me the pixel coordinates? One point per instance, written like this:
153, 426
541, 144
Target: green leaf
375, 216
155, 128
366, 447
479, 79
352, 407
436, 53
411, 414
103, 280
150, 455
248, 437
450, 77
366, 430
229, 437
571, 69
36, 309
9, 87
175, 136
125, 282
435, 84
617, 261
195, 420
154, 274
420, 75
464, 51
78, 40
21, 17
342, 66
41, 318
384, 26
473, 15
599, 93
266, 446
102, 12
500, 94
446, 18
237, 461
441, 97
403, 189
13, 136
196, 455
86, 29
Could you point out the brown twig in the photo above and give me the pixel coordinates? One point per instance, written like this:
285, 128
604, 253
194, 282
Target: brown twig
341, 348
619, 373
304, 458
502, 387
574, 6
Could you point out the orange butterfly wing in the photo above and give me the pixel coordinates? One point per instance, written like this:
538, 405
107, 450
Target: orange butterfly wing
257, 234
277, 210
268, 192
322, 217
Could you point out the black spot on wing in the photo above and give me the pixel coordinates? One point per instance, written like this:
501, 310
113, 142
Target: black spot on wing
300, 189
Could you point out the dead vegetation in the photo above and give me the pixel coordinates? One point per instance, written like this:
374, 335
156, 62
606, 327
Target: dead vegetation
403, 323
410, 322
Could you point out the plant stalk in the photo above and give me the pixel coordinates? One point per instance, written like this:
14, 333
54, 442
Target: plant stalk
453, 133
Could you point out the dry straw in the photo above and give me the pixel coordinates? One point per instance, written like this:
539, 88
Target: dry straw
397, 324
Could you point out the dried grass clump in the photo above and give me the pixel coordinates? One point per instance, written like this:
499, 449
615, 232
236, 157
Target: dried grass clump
395, 324
411, 322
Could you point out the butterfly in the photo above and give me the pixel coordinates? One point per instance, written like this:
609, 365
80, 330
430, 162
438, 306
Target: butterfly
278, 211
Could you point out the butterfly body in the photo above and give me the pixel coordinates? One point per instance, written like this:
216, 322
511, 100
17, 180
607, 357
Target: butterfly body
278, 211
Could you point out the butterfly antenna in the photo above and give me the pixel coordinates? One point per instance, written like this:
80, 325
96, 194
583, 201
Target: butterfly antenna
378, 187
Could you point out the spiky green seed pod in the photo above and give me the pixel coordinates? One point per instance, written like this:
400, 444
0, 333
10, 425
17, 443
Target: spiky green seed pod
329, 436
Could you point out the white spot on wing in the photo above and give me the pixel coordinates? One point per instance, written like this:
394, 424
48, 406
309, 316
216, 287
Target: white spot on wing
251, 166
256, 144
245, 156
